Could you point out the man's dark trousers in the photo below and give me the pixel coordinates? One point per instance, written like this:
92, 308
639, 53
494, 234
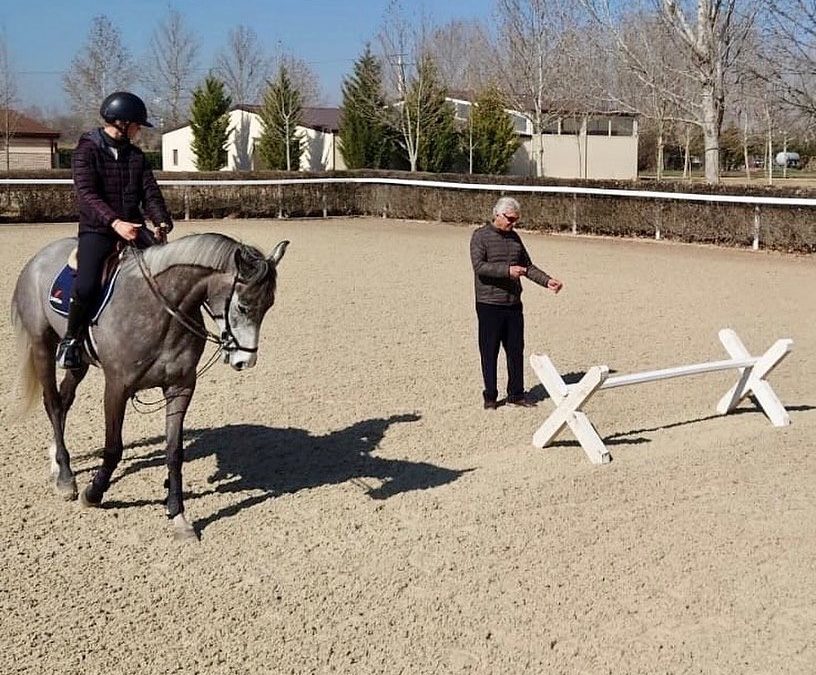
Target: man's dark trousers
501, 326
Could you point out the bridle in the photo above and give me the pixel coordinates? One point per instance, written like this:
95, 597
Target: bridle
227, 341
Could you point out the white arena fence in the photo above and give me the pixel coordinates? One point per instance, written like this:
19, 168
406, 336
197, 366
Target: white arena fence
653, 197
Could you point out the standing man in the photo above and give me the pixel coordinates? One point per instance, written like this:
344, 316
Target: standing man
114, 185
499, 261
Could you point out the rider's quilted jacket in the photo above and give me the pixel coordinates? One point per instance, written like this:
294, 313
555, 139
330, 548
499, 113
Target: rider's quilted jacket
112, 183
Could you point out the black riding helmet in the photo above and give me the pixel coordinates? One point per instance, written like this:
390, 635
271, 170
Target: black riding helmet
125, 107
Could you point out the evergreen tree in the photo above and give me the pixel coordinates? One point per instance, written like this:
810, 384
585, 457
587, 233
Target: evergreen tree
280, 144
363, 132
437, 140
494, 140
210, 122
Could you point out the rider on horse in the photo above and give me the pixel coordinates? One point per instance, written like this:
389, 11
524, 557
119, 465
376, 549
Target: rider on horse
114, 184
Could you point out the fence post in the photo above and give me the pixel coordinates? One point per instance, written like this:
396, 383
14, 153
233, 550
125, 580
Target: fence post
280, 201
323, 198
575, 213
755, 245
186, 204
659, 220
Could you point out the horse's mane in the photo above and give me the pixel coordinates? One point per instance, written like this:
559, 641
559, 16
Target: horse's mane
211, 250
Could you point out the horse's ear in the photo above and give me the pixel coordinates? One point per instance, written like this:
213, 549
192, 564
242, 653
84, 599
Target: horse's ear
277, 254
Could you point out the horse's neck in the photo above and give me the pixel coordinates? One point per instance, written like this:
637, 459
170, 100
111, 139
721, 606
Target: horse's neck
185, 286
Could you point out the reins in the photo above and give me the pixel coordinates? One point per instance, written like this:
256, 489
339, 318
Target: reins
176, 313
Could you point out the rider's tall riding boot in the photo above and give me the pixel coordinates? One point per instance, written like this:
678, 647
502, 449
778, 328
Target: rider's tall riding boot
69, 351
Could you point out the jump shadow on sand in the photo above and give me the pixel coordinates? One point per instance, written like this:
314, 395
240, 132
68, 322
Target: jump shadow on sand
267, 462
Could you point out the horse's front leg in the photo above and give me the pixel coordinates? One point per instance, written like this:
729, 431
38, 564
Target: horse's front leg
115, 403
178, 399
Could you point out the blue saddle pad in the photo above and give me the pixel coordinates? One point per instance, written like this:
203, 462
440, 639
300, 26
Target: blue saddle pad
60, 294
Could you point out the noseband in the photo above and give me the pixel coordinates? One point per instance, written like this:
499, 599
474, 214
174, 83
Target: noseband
227, 341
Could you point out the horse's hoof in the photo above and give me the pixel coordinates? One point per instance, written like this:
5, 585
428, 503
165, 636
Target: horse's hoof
67, 490
87, 501
182, 530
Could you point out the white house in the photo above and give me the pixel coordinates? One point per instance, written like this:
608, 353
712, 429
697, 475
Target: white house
319, 131
582, 144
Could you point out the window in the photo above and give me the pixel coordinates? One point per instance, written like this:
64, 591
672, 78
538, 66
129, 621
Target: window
462, 110
598, 126
519, 123
622, 126
571, 125
175, 157
551, 127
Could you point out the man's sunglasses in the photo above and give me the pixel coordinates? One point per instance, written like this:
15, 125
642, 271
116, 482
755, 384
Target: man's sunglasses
510, 219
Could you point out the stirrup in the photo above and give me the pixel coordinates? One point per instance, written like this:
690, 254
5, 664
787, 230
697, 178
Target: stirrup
69, 354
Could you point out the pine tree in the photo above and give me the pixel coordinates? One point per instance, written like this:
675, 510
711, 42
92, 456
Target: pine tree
210, 122
280, 144
494, 139
437, 140
363, 132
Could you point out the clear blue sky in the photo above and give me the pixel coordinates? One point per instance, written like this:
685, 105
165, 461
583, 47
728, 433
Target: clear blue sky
43, 37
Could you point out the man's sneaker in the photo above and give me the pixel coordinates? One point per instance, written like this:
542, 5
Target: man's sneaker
69, 354
490, 405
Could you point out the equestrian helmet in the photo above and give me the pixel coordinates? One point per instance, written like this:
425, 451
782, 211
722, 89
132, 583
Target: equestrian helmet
125, 107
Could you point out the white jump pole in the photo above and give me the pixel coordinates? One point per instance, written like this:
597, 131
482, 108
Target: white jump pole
569, 399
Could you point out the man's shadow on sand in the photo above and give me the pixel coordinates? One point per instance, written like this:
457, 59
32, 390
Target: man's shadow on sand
252, 458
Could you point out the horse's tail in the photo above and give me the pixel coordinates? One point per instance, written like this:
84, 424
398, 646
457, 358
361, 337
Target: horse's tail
28, 382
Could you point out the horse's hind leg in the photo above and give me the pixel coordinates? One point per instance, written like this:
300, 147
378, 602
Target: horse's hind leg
43, 352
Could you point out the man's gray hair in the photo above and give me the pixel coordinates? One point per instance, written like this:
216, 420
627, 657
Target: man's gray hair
506, 204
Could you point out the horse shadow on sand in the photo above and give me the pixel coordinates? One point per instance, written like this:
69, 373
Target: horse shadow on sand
265, 462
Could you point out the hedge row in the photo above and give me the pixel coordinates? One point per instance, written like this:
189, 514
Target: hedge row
781, 228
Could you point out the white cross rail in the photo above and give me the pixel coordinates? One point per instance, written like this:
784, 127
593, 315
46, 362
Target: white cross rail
569, 399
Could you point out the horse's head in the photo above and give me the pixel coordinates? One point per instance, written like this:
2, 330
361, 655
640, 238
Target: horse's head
241, 301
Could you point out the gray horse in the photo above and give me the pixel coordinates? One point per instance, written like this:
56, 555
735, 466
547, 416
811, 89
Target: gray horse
151, 334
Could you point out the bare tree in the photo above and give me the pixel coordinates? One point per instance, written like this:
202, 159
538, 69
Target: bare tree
8, 97
708, 35
170, 67
647, 76
243, 66
714, 42
791, 29
463, 52
101, 66
533, 63
401, 43
302, 76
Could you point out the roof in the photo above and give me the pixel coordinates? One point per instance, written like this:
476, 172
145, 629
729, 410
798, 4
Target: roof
320, 119
21, 125
562, 109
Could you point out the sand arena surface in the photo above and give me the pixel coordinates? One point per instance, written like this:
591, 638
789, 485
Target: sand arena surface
360, 513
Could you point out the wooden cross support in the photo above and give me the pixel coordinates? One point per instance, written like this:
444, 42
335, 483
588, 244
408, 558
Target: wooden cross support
570, 399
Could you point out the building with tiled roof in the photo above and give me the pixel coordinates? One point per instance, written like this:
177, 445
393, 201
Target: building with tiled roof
25, 143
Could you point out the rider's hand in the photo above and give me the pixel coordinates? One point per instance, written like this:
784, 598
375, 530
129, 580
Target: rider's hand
128, 231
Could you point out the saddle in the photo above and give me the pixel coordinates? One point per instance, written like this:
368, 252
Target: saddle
59, 296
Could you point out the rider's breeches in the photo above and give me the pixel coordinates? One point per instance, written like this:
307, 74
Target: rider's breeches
92, 252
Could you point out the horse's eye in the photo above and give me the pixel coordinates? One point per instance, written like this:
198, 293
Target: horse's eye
242, 309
